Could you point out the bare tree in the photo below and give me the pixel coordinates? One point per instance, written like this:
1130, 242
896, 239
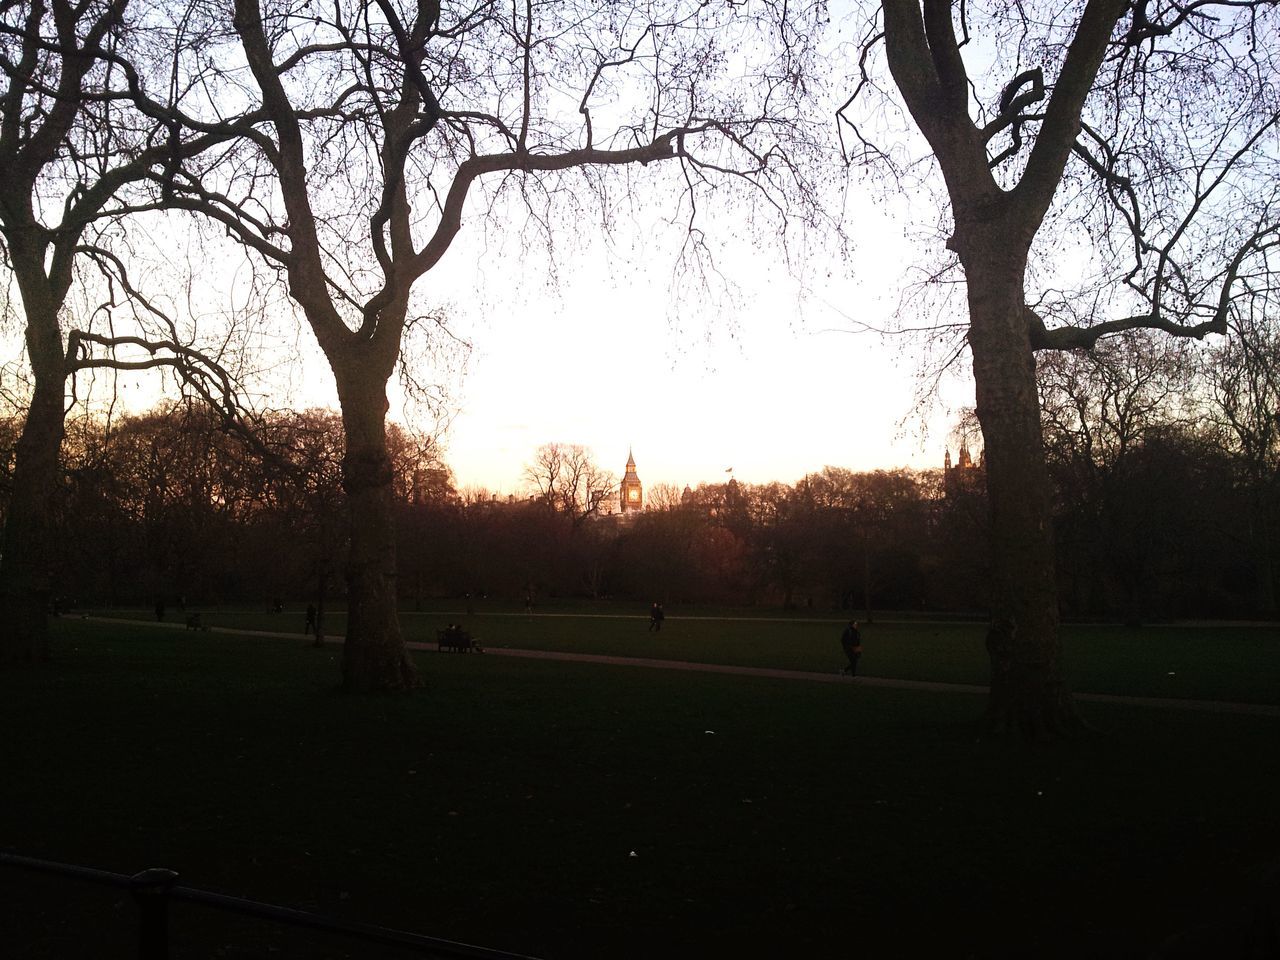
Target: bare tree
567, 479
1098, 404
1106, 414
1243, 399
663, 497
1109, 165
387, 123
68, 147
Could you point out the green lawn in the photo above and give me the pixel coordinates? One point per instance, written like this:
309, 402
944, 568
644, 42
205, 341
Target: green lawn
1199, 663
501, 805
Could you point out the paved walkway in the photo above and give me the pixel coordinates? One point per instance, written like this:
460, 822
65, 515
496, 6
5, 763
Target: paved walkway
1208, 706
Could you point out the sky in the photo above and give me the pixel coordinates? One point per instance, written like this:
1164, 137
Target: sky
771, 373
767, 375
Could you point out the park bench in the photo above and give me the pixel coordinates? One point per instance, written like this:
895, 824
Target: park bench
457, 640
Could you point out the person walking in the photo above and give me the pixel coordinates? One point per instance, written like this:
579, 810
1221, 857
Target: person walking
310, 628
851, 644
656, 617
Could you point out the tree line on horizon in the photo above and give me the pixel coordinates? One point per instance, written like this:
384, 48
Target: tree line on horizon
1157, 515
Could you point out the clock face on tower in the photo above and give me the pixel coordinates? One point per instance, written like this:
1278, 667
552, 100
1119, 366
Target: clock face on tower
630, 490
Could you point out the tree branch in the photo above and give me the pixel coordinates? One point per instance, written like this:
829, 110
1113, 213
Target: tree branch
1061, 127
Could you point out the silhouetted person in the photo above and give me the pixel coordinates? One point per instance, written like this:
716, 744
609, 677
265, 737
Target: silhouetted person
277, 605
528, 603
851, 644
310, 628
656, 616
160, 609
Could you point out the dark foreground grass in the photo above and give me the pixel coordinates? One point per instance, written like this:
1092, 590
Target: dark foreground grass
503, 804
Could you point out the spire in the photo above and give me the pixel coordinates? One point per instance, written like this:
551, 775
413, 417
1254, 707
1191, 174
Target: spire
631, 490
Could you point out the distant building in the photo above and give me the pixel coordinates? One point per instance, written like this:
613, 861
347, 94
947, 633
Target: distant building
964, 474
631, 492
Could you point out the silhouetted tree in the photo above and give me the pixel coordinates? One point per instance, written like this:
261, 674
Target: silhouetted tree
1243, 377
1138, 136
382, 120
566, 478
1098, 408
69, 146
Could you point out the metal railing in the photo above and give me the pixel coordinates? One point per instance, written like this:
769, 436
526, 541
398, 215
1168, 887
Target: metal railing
154, 889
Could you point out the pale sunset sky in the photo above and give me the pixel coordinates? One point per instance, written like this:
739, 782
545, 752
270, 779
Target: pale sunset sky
770, 379
771, 372
774, 370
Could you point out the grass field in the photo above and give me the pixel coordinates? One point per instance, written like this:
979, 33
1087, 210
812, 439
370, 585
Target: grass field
1240, 663
502, 804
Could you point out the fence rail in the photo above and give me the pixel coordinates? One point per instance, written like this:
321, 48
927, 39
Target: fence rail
155, 888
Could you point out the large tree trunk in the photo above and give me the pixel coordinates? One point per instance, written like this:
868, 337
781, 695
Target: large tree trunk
374, 656
25, 589
322, 594
1260, 533
1028, 688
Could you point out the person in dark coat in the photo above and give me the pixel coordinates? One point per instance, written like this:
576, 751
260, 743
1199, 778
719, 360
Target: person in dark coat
656, 616
851, 644
310, 627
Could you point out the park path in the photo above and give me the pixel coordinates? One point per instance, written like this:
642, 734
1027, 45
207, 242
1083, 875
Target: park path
811, 676
974, 621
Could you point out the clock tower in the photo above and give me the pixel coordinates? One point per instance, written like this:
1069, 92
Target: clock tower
631, 492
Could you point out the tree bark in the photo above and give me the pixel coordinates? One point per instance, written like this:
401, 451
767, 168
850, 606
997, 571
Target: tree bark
994, 229
322, 594
866, 577
374, 656
1032, 694
1260, 533
25, 561
25, 588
